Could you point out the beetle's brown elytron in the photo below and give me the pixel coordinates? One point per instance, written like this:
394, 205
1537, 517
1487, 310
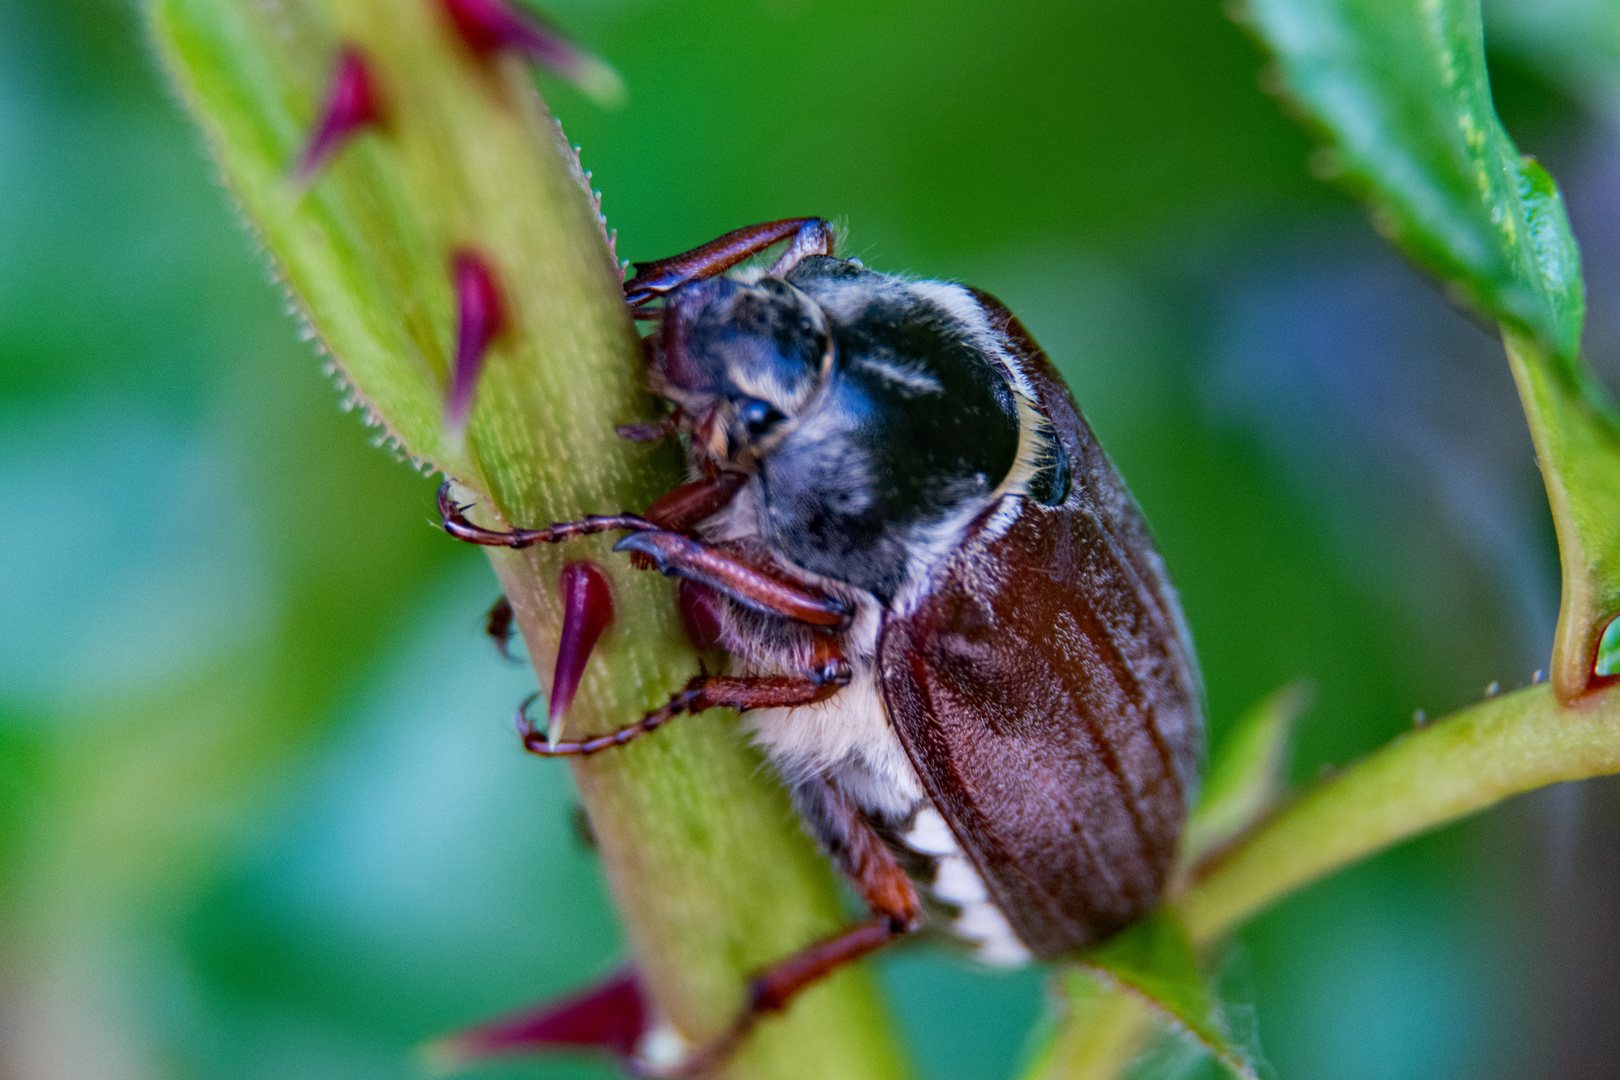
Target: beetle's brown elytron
950, 629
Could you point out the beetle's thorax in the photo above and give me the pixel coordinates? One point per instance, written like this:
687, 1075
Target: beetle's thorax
864, 410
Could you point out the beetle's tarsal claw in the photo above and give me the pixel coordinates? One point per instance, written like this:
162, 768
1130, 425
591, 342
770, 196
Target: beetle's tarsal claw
648, 546
479, 318
490, 26
587, 612
352, 103
611, 1016
524, 723
837, 672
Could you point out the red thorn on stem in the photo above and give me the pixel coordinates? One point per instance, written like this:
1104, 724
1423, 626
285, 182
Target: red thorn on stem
479, 315
489, 26
610, 1016
700, 614
587, 612
352, 103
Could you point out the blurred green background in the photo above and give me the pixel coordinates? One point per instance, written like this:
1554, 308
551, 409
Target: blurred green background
261, 814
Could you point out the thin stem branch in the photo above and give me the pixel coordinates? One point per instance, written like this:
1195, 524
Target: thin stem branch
1454, 767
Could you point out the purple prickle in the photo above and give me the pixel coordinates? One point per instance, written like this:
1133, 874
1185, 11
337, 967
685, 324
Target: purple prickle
610, 1016
352, 103
587, 612
479, 318
489, 26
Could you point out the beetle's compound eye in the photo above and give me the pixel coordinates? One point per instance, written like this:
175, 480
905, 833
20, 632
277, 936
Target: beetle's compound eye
758, 416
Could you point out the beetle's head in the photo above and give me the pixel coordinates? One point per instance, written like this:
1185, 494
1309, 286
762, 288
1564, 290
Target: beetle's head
743, 359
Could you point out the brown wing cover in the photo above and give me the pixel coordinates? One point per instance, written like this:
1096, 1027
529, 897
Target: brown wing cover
1047, 693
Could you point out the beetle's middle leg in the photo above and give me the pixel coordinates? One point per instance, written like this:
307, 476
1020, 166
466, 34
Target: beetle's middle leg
764, 588
703, 692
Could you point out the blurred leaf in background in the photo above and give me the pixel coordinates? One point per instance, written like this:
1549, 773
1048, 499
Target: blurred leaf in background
260, 812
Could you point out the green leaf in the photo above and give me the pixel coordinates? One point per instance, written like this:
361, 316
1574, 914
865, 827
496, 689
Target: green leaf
1155, 958
710, 869
1400, 92
1247, 774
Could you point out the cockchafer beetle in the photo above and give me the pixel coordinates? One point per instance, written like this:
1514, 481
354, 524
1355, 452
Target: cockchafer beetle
951, 631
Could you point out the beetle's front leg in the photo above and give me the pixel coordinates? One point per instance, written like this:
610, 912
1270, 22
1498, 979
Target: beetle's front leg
810, 236
764, 588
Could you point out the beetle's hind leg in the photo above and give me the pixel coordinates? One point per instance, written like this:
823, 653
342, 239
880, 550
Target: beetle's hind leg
771, 991
857, 849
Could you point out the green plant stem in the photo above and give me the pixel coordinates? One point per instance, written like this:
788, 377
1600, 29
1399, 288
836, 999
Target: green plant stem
1578, 449
705, 858
1101, 1029
1452, 768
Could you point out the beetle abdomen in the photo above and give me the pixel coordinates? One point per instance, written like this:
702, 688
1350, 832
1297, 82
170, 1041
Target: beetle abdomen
951, 879
1045, 691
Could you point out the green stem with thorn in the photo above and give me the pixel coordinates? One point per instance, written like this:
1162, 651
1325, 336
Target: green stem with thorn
706, 860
